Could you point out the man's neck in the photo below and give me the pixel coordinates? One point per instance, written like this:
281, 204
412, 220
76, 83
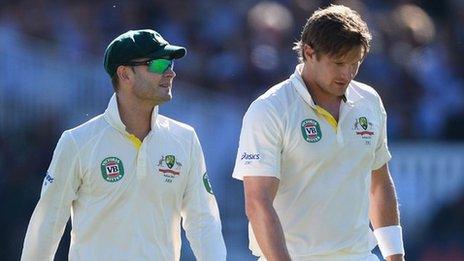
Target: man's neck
321, 98
135, 115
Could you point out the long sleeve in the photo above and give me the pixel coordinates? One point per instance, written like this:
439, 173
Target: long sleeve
200, 212
59, 189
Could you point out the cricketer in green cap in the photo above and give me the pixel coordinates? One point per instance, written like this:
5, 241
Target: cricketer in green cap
135, 44
121, 173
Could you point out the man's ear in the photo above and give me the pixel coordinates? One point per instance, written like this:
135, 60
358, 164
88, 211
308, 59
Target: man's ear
309, 52
122, 73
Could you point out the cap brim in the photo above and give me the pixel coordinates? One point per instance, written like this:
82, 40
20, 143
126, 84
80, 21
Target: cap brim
170, 51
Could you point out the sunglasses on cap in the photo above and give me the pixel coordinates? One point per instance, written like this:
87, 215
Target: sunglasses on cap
158, 66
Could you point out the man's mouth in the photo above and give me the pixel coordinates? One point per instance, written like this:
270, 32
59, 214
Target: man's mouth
341, 83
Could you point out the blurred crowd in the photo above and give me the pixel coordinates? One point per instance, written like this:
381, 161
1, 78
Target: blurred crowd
444, 239
243, 47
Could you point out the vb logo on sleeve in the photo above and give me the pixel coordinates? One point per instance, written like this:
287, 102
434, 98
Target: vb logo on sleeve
207, 184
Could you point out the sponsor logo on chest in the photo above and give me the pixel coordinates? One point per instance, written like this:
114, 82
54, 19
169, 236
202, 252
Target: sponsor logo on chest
112, 169
311, 130
169, 167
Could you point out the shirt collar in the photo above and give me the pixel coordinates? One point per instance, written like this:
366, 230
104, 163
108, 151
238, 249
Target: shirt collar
300, 86
351, 96
112, 116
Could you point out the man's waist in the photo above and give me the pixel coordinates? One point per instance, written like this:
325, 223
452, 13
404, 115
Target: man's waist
339, 256
309, 246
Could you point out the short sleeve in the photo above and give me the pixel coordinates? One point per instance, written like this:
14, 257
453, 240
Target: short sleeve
382, 153
260, 145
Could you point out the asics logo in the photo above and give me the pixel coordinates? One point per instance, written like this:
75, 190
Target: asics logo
251, 156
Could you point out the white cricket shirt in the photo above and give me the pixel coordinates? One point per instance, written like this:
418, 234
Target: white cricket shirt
324, 168
126, 198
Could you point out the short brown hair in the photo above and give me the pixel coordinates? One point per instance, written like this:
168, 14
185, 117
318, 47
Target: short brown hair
334, 30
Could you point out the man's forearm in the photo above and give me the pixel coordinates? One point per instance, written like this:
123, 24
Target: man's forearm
268, 232
384, 209
384, 215
383, 202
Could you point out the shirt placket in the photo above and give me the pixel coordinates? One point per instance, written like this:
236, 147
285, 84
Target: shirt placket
141, 157
141, 162
345, 108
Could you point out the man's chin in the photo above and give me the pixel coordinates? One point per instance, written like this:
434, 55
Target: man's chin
342, 91
166, 98
160, 100
338, 93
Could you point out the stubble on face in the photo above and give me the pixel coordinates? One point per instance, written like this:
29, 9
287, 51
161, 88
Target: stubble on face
153, 88
333, 73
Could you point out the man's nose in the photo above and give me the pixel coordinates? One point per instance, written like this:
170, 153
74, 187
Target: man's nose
169, 73
348, 73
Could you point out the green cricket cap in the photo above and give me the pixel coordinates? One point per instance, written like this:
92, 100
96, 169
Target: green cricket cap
135, 44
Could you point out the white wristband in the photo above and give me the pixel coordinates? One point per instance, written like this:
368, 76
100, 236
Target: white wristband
390, 240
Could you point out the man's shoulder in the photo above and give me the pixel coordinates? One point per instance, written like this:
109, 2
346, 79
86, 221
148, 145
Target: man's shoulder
278, 97
173, 126
88, 129
369, 94
277, 91
365, 90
